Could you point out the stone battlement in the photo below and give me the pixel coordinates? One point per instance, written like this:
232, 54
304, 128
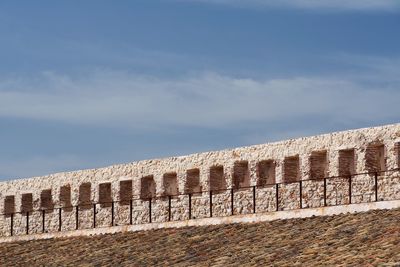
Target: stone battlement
364, 163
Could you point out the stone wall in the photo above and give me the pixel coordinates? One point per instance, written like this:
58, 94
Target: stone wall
168, 182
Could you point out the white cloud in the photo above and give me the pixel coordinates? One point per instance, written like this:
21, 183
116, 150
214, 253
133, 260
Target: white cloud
140, 102
387, 5
286, 107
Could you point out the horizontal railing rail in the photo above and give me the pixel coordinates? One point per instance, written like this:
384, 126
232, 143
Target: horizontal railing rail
377, 175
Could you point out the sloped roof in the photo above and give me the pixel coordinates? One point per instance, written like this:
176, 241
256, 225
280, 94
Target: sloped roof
362, 239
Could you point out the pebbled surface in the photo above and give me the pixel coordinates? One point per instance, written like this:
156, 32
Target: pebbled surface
363, 239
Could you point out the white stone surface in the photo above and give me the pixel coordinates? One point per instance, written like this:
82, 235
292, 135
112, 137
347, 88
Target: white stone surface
289, 195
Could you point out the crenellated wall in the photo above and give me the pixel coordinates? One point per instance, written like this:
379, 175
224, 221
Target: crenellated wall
309, 160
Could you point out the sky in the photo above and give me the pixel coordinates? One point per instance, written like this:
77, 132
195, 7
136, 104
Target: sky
87, 84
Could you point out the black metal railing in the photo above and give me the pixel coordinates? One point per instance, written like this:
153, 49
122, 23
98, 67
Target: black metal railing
377, 176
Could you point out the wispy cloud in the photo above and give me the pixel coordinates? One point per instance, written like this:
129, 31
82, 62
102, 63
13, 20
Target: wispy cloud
366, 5
139, 102
255, 110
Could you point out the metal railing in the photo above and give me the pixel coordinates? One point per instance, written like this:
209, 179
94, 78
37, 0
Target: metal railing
377, 176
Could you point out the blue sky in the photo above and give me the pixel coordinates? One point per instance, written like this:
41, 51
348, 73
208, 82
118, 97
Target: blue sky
87, 84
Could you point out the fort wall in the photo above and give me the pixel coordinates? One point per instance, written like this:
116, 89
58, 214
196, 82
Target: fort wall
276, 176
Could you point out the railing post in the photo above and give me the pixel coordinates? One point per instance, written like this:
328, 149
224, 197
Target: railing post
324, 192
43, 220
376, 186
232, 211
149, 210
277, 196
94, 215
301, 193
169, 208
211, 203
254, 199
12, 224
190, 206
77, 217
112, 213
130, 212
27, 222
350, 193
59, 219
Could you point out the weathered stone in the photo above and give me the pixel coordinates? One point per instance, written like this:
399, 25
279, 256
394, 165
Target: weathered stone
307, 159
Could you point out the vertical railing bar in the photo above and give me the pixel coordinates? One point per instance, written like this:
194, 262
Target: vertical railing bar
12, 224
94, 215
149, 210
376, 186
130, 212
277, 196
232, 210
112, 213
190, 206
27, 222
350, 193
59, 219
254, 199
324, 192
301, 193
169, 208
43, 220
77, 217
211, 214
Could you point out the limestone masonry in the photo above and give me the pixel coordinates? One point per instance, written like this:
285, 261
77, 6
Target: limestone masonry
362, 166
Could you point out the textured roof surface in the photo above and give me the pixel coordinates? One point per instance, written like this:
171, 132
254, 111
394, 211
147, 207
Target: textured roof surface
363, 239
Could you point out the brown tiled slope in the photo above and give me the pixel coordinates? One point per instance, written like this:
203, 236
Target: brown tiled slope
363, 239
